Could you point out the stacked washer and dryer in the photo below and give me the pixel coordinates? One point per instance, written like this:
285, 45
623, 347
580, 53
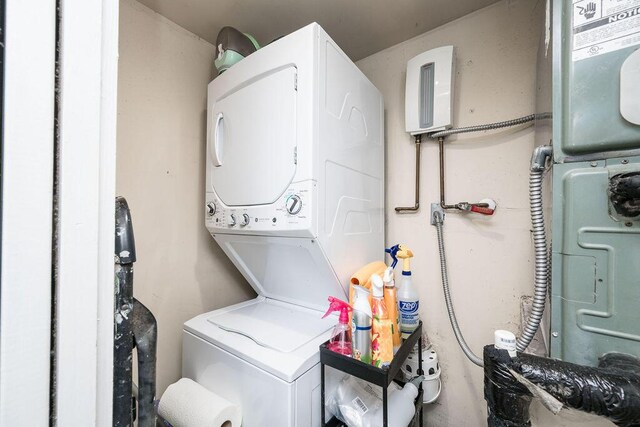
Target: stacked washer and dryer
295, 198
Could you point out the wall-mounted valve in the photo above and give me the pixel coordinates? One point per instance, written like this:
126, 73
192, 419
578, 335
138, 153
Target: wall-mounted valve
484, 207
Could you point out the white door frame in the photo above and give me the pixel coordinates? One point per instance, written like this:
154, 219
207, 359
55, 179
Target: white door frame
84, 293
27, 183
84, 246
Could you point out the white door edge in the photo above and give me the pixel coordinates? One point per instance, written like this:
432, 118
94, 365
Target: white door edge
84, 292
25, 281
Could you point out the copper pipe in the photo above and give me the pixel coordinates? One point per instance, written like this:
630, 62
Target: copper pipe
443, 204
416, 206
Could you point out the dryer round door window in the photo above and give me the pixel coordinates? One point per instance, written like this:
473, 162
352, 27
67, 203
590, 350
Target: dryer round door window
294, 204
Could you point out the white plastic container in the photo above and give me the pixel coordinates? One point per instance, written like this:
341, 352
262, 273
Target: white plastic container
505, 340
401, 406
432, 384
431, 387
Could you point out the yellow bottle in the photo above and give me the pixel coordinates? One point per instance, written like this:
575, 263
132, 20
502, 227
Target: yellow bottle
391, 301
381, 329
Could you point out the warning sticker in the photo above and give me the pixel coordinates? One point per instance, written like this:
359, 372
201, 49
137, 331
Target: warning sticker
602, 26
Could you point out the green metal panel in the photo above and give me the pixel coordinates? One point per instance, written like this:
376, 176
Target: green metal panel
586, 91
595, 303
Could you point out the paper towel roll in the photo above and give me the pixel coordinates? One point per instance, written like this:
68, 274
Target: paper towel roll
188, 404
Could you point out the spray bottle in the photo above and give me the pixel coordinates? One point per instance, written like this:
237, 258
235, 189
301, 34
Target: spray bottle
391, 301
361, 325
381, 329
340, 340
408, 299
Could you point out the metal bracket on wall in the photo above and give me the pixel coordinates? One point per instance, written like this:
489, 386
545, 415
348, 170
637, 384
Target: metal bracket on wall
416, 205
436, 208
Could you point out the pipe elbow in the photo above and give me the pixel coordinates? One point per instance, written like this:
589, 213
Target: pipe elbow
539, 157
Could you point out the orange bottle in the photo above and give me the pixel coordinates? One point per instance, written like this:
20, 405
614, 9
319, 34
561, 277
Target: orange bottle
391, 301
381, 329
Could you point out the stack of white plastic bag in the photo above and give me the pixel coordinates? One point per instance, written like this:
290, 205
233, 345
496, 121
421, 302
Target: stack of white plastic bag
359, 404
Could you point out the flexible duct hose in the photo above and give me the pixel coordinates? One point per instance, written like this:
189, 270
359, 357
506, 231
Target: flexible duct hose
447, 294
541, 259
489, 126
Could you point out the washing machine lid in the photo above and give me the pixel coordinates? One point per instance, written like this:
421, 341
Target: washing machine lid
280, 327
278, 337
293, 270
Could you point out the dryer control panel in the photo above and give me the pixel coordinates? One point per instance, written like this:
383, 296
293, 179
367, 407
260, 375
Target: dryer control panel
291, 212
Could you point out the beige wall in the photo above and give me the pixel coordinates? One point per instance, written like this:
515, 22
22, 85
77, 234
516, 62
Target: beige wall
181, 271
490, 258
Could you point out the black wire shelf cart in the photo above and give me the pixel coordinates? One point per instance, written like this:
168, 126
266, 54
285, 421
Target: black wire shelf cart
379, 376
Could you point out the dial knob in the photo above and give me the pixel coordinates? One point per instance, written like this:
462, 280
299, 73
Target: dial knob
294, 204
244, 220
211, 209
232, 220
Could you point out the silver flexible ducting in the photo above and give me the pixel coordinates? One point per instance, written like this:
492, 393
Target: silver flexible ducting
538, 162
439, 219
488, 126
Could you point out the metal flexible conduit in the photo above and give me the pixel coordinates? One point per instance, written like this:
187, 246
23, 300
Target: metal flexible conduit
447, 294
541, 260
542, 264
488, 126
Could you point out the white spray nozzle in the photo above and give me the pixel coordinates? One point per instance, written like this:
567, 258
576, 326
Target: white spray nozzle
388, 276
505, 340
377, 285
361, 293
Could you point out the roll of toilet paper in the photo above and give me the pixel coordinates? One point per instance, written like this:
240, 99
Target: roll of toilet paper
188, 404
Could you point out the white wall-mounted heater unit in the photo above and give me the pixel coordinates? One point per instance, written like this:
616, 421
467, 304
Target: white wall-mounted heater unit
429, 91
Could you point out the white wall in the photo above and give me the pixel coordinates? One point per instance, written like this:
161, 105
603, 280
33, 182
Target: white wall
181, 271
490, 258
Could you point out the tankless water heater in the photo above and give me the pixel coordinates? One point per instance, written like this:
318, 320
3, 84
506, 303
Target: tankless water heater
429, 91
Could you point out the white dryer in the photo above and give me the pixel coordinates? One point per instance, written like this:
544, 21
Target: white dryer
295, 198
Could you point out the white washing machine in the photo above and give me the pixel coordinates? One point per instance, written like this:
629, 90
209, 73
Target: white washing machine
295, 198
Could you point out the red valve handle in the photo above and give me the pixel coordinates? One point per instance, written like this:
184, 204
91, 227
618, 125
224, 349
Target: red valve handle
483, 211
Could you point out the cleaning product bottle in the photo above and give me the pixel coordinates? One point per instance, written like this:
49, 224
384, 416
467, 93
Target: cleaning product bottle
408, 300
391, 301
362, 277
361, 325
340, 340
381, 329
401, 405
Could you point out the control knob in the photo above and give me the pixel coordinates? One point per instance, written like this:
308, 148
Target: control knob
294, 204
211, 209
232, 220
244, 221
